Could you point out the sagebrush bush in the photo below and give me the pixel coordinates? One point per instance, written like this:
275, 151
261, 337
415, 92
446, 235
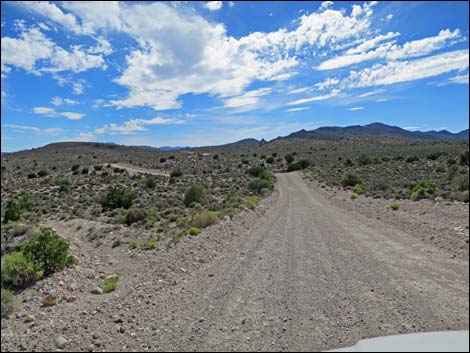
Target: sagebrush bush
19, 272
412, 159
133, 244
302, 164
353, 196
464, 158
257, 185
7, 302
195, 193
461, 182
270, 160
395, 206
150, 182
194, 231
350, 179
63, 184
256, 171
364, 160
289, 159
204, 219
118, 197
135, 215
423, 189
75, 167
42, 173
110, 284
252, 201
176, 173
151, 244
12, 211
47, 250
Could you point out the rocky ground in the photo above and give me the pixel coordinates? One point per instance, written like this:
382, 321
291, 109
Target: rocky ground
305, 271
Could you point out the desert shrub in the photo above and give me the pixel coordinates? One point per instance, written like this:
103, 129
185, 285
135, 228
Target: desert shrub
348, 163
257, 185
350, 179
204, 219
359, 189
176, 173
452, 172
380, 185
353, 196
117, 170
364, 160
97, 167
135, 215
151, 244
32, 175
423, 189
12, 212
133, 244
194, 231
270, 160
395, 206
150, 182
19, 272
85, 171
302, 164
451, 161
171, 157
195, 193
110, 284
412, 159
7, 302
434, 156
289, 159
460, 183
48, 251
461, 196
216, 156
75, 167
398, 158
162, 160
63, 184
464, 158
118, 197
252, 201
256, 171
42, 173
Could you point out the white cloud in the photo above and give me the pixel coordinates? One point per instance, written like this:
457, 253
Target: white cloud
213, 5
356, 108
248, 99
412, 128
136, 125
402, 71
53, 113
33, 46
389, 50
326, 4
78, 87
327, 83
296, 109
53, 131
102, 47
299, 90
58, 101
332, 94
462, 79
85, 136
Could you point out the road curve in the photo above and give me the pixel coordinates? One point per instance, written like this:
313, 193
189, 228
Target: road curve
310, 276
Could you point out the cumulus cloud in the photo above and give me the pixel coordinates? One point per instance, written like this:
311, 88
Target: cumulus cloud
50, 112
332, 94
136, 125
213, 5
58, 101
248, 99
33, 46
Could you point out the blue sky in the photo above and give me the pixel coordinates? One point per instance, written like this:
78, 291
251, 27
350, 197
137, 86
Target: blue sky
205, 73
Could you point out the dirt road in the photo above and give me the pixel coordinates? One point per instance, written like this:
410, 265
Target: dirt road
310, 276
306, 275
132, 170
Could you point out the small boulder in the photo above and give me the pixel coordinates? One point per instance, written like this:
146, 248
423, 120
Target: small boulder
60, 342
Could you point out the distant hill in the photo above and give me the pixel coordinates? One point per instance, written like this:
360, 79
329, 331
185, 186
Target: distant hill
374, 129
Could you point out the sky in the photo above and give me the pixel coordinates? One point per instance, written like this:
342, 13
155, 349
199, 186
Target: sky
208, 73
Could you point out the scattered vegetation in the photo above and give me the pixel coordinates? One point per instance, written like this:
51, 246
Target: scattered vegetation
118, 197
196, 193
110, 284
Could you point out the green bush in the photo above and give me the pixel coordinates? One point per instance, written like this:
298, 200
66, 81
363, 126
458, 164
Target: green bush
110, 284
412, 159
85, 171
350, 179
302, 164
151, 244
348, 163
7, 302
257, 185
353, 196
42, 173
256, 171
464, 158
423, 189
194, 231
176, 173
195, 193
97, 167
359, 189
162, 160
134, 244
204, 219
364, 160
150, 182
395, 206
135, 215
252, 202
32, 175
75, 167
63, 184
270, 160
118, 197
48, 251
289, 159
461, 182
12, 212
19, 272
